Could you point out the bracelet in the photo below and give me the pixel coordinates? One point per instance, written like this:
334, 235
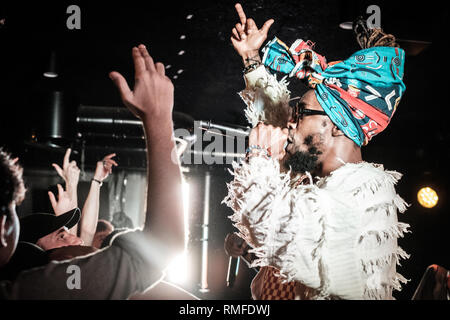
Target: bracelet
98, 181
251, 67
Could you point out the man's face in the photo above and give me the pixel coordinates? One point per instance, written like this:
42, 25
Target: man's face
308, 138
59, 238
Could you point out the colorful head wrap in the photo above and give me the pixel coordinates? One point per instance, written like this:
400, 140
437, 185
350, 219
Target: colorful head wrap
360, 94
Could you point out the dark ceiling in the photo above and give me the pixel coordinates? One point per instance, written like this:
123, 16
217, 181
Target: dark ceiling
208, 74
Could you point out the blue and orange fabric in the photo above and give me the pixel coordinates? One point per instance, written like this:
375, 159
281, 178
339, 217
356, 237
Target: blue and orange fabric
360, 94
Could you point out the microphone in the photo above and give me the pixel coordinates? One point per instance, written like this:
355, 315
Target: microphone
233, 268
229, 128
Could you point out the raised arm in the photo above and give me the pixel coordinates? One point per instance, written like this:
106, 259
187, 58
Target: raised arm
89, 214
151, 100
68, 198
266, 98
247, 39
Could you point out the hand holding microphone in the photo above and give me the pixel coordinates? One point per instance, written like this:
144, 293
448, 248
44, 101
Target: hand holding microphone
234, 247
271, 138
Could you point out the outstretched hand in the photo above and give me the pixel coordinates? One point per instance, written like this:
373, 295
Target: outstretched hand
152, 95
69, 172
104, 167
246, 38
64, 203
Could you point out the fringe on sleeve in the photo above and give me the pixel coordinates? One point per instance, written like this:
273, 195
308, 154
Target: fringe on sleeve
270, 216
252, 194
267, 101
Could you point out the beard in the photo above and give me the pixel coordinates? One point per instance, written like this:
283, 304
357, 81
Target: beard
304, 161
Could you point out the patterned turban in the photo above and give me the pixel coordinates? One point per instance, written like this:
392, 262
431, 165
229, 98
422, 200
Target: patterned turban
360, 94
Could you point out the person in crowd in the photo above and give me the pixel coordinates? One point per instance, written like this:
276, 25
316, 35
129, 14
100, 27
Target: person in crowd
135, 260
68, 199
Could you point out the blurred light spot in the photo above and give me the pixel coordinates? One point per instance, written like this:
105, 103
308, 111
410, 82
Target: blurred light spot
346, 25
180, 71
181, 53
175, 77
189, 17
178, 270
168, 66
50, 74
427, 197
182, 37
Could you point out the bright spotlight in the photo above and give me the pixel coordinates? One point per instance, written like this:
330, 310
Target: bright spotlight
185, 190
178, 270
427, 197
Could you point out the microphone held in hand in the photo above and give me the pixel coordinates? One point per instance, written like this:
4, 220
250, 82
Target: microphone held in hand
233, 269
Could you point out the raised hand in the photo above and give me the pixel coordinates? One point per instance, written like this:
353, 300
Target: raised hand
246, 38
69, 172
152, 95
104, 167
64, 203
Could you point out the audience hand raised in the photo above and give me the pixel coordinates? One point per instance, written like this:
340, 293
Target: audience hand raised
152, 96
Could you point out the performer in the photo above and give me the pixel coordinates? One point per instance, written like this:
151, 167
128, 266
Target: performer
321, 222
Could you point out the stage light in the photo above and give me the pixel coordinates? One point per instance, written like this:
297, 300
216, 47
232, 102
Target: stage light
49, 74
178, 271
348, 25
427, 197
51, 69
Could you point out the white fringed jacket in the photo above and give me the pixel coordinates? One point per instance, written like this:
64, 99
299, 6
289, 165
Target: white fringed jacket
337, 235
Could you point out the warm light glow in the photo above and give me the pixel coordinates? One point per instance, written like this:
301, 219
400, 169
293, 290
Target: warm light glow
427, 197
185, 190
178, 271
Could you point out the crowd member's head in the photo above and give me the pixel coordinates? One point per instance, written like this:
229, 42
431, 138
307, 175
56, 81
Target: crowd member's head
12, 193
49, 231
121, 220
104, 228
